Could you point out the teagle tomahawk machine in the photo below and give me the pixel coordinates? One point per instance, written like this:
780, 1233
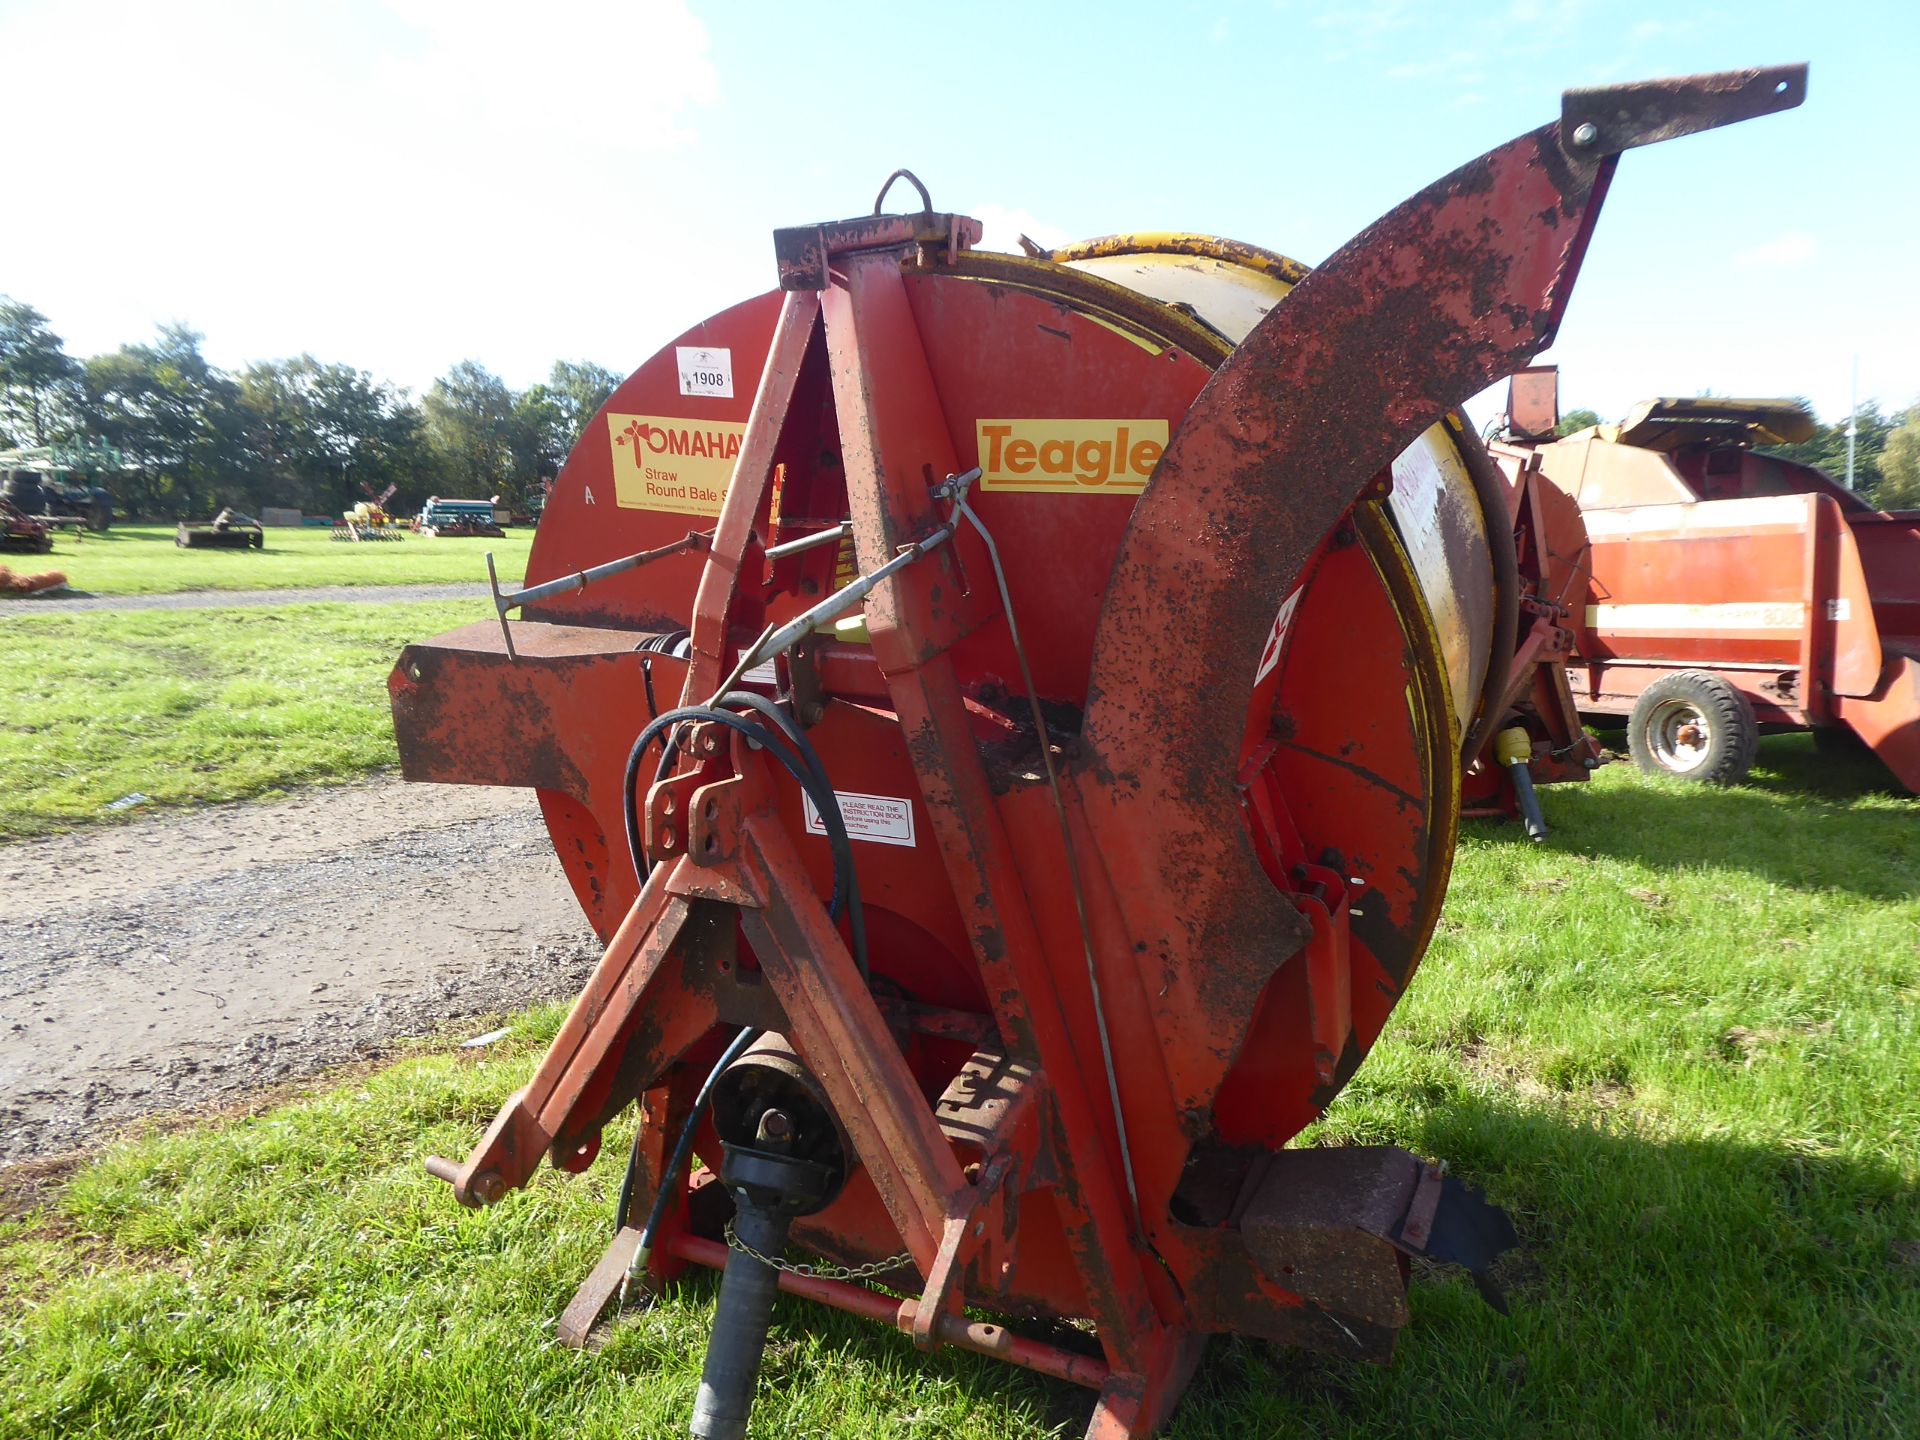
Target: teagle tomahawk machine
1005, 715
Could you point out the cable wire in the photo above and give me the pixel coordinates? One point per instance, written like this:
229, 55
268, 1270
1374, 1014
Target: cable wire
960, 505
664, 1190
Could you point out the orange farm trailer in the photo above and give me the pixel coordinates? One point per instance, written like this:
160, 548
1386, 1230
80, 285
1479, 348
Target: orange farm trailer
1714, 591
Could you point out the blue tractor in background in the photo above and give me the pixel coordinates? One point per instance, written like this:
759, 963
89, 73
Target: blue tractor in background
40, 482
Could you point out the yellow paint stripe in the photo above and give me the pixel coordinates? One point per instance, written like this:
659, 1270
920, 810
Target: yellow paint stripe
1679, 619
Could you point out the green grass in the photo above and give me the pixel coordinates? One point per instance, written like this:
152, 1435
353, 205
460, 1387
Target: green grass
143, 560
189, 706
1679, 1043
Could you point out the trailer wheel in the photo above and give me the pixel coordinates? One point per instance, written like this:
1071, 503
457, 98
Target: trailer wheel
1693, 726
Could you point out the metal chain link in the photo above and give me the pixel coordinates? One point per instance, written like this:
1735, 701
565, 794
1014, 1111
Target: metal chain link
821, 1270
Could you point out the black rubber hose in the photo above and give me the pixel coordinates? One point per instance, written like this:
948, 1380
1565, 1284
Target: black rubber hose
831, 819
682, 1149
845, 883
841, 848
817, 789
662, 724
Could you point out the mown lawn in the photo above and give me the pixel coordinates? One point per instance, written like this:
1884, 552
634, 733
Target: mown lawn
143, 560
190, 706
1679, 1042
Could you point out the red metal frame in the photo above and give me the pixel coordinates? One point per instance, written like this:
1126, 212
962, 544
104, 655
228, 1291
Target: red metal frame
1237, 978
1551, 564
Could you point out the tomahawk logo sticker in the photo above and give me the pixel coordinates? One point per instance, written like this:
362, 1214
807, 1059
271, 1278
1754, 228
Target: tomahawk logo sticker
680, 466
1069, 457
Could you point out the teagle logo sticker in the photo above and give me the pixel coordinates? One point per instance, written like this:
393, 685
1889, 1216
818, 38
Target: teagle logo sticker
1075, 457
681, 466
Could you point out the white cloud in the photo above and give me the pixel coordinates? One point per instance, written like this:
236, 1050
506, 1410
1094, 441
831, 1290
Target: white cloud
1004, 227
1783, 252
571, 75
368, 179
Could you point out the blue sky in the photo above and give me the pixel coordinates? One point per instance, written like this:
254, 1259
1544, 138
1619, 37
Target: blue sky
401, 184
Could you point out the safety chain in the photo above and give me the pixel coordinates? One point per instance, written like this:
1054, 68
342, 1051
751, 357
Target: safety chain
822, 1271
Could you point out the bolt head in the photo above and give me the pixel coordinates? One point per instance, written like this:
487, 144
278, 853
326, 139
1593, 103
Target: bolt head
1585, 134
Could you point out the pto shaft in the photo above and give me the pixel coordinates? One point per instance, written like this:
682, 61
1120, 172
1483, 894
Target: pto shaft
740, 1320
769, 1186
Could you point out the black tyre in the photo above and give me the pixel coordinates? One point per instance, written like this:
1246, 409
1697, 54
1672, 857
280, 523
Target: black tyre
99, 514
1693, 726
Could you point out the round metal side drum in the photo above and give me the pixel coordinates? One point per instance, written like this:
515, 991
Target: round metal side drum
1064, 379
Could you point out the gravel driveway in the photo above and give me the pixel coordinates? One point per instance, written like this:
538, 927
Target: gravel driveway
65, 602
168, 963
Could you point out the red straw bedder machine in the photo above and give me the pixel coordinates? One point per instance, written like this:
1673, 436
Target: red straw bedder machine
1005, 716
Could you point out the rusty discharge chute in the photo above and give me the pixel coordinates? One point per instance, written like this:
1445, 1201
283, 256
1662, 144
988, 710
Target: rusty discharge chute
1148, 753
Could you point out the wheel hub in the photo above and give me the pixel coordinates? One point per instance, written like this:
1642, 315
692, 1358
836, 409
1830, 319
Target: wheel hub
1681, 736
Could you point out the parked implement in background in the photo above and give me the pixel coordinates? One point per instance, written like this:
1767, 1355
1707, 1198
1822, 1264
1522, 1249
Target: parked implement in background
1053, 675
1713, 590
369, 521
229, 530
457, 519
23, 533
39, 481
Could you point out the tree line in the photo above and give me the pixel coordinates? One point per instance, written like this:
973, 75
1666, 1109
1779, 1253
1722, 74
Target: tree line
300, 433
1886, 454
320, 437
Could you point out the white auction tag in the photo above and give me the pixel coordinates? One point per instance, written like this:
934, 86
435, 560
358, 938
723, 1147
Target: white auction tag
705, 371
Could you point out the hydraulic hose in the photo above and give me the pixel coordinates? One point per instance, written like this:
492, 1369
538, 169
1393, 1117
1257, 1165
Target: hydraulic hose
803, 763
830, 817
810, 777
676, 1161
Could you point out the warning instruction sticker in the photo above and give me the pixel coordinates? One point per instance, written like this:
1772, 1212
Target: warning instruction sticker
883, 819
682, 466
